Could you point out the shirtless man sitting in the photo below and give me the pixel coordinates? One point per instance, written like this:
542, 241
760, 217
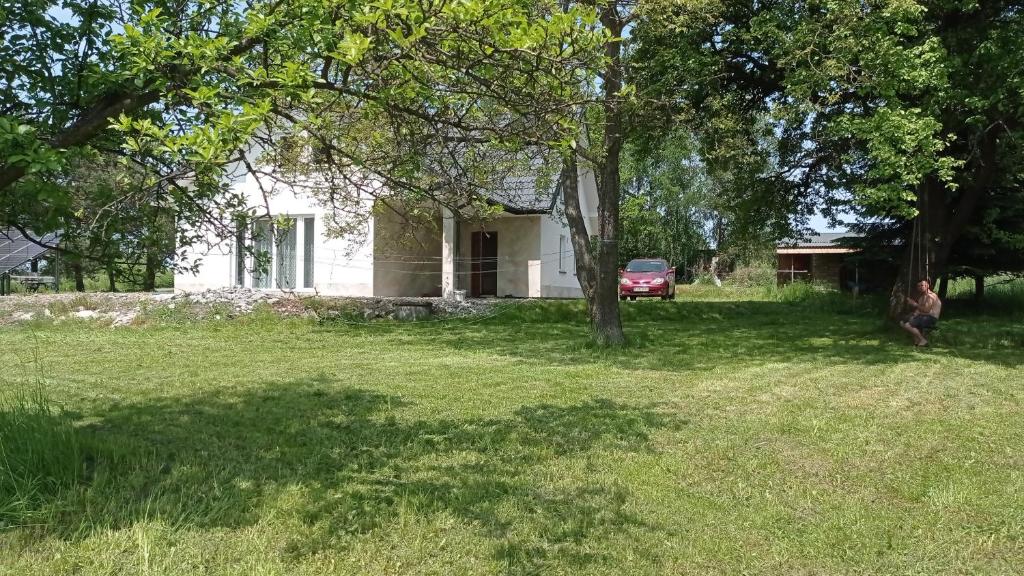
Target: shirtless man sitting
927, 308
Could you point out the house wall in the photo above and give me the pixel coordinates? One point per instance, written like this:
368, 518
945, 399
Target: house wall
528, 251
406, 255
214, 259
793, 267
558, 277
825, 268
341, 266
518, 246
557, 280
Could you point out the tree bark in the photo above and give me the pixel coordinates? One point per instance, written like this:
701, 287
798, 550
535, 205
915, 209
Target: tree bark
604, 307
111, 279
79, 274
979, 287
943, 286
597, 262
592, 266
91, 123
941, 224
586, 267
149, 278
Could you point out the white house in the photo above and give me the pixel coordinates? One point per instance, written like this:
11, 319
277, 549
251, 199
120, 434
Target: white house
522, 252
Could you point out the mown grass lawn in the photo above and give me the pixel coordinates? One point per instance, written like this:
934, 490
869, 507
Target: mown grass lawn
731, 437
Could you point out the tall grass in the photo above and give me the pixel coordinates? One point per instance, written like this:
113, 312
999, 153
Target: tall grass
98, 282
1003, 295
40, 456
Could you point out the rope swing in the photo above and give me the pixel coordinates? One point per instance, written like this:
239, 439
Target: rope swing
919, 247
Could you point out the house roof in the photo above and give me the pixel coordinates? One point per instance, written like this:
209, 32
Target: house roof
818, 243
521, 181
16, 249
534, 193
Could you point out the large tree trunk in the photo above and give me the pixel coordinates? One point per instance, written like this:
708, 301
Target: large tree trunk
979, 287
79, 274
149, 277
591, 266
604, 307
597, 262
111, 279
940, 224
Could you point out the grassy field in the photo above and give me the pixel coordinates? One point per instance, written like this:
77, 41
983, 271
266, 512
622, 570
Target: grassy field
743, 432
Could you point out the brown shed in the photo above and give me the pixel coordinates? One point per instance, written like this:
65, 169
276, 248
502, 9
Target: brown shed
817, 258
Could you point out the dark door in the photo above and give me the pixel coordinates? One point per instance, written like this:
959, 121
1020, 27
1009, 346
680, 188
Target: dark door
483, 278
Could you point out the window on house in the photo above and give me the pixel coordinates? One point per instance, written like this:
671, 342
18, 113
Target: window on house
240, 254
285, 256
307, 252
562, 256
275, 248
263, 253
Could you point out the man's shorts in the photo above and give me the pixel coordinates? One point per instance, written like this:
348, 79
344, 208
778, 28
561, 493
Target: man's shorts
923, 321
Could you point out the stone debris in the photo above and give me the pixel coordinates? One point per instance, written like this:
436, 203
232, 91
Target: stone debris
124, 318
124, 309
239, 300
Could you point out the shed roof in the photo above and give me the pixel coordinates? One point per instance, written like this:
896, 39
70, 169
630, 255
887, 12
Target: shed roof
818, 243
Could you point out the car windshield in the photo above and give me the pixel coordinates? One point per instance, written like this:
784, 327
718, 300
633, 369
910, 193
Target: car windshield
646, 266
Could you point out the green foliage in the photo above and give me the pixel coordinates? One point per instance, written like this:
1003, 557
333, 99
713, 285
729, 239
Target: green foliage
1003, 296
129, 280
827, 106
405, 100
667, 206
41, 457
334, 309
754, 274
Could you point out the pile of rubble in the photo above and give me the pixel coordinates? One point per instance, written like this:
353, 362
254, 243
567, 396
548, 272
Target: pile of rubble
236, 299
119, 309
128, 308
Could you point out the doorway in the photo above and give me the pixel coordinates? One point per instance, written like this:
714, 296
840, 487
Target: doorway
483, 277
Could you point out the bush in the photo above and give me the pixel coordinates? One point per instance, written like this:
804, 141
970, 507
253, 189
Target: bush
754, 275
40, 456
794, 292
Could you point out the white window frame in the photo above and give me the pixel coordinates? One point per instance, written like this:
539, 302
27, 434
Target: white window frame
300, 258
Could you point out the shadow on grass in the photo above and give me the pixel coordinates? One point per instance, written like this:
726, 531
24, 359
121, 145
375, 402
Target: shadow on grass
345, 461
681, 335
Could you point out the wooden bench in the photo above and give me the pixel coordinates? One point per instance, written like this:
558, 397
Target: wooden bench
33, 283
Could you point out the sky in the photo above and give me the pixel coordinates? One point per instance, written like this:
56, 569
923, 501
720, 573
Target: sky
819, 224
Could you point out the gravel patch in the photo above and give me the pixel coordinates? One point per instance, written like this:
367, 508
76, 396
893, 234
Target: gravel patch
123, 309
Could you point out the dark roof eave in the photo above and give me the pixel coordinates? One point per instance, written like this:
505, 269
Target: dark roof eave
523, 211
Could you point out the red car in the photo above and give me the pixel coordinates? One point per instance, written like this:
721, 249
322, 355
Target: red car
647, 277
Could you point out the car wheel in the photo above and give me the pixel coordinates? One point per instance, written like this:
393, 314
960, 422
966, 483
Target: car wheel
633, 298
623, 298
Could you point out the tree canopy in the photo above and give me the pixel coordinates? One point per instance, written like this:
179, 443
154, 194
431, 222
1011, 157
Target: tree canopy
887, 109
386, 88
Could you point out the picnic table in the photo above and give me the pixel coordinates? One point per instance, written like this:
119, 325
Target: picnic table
33, 282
